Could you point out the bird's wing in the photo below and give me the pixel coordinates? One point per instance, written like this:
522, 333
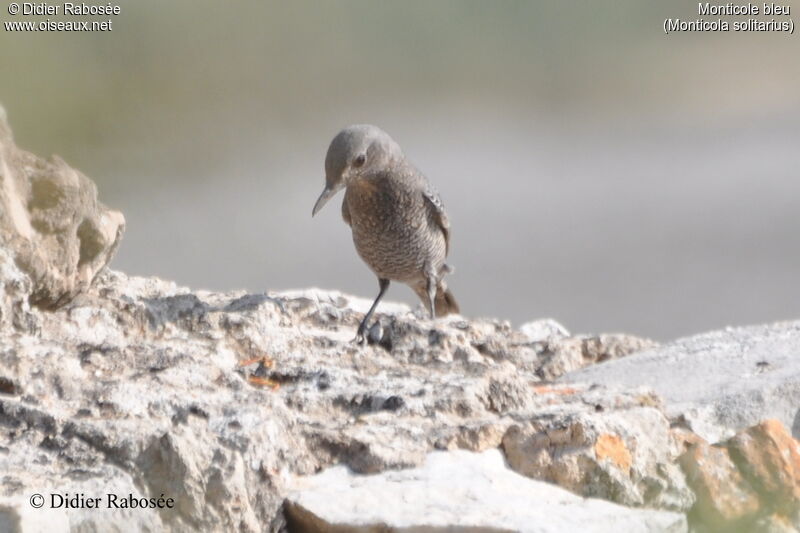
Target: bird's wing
435, 203
345, 211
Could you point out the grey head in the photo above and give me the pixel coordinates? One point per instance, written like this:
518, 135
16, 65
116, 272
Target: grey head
355, 152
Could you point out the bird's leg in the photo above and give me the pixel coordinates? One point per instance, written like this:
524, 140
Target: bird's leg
362, 328
432, 296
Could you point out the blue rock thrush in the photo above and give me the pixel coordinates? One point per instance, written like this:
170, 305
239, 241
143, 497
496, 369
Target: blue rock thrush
399, 225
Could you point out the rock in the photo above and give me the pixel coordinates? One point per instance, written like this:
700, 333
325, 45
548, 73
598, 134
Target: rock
747, 484
770, 459
624, 453
776, 523
566, 354
718, 383
18, 516
140, 388
457, 491
724, 498
217, 399
51, 221
543, 330
15, 288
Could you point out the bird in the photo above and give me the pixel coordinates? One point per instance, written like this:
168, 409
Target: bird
399, 225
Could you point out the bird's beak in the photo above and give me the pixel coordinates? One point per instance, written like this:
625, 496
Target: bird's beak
326, 195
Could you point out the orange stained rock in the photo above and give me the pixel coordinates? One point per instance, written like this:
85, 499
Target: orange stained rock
610, 446
723, 496
549, 389
685, 438
266, 361
770, 458
263, 382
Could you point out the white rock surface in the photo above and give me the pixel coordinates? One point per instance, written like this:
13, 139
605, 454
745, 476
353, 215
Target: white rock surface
543, 330
16, 514
561, 355
146, 388
51, 222
720, 382
458, 492
626, 455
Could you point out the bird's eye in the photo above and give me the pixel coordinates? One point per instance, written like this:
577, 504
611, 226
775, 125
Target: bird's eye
359, 161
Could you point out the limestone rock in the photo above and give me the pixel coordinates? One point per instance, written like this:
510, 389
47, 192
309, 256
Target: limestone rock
51, 221
457, 491
746, 484
770, 459
624, 454
776, 523
15, 289
724, 497
217, 399
220, 400
17, 514
561, 355
543, 330
719, 382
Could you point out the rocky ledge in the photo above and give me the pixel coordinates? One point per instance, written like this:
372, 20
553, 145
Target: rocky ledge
133, 404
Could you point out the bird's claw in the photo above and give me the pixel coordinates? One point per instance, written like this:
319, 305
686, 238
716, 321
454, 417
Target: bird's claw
359, 339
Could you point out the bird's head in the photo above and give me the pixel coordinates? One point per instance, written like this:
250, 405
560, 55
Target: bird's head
354, 152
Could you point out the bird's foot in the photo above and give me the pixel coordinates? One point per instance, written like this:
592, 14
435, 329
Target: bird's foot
360, 338
372, 335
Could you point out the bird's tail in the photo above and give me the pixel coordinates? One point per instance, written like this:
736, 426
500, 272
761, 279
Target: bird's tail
445, 303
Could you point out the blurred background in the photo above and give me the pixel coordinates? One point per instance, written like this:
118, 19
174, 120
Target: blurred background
595, 170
